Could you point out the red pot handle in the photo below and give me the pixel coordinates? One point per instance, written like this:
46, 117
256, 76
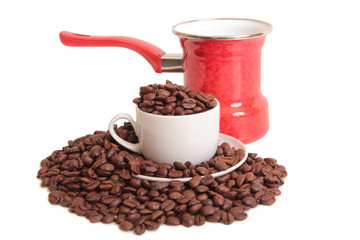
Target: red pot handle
149, 51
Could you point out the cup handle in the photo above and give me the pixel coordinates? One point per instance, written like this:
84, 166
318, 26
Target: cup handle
135, 147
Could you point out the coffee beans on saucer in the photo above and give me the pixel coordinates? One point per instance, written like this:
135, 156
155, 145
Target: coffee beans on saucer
92, 177
173, 99
224, 158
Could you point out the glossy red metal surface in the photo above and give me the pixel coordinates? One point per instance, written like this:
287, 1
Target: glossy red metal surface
230, 69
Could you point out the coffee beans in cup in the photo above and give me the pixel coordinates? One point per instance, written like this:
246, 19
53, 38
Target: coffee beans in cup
92, 177
173, 99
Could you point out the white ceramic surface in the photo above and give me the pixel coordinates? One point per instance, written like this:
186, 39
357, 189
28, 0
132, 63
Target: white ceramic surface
222, 138
166, 139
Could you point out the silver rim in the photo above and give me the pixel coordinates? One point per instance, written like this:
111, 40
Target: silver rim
267, 30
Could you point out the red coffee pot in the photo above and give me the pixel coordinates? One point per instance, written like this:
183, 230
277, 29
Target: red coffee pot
220, 56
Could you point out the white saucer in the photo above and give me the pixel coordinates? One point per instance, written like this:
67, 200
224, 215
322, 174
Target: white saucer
222, 138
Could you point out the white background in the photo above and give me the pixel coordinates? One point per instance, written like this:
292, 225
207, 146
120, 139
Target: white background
51, 94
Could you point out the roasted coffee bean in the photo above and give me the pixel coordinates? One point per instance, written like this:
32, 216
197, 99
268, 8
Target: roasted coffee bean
175, 174
202, 171
195, 208
179, 111
163, 92
222, 189
131, 203
168, 205
183, 199
182, 95
249, 201
187, 219
207, 202
161, 220
188, 103
238, 213
108, 167
125, 174
148, 104
180, 208
172, 221
221, 166
151, 225
207, 210
161, 172
240, 179
153, 193
149, 96
93, 197
140, 229
94, 216
199, 220
171, 87
245, 168
56, 196
256, 187
106, 185
79, 211
201, 189
146, 89
77, 202
195, 181
126, 225
207, 180
154, 205
119, 218
168, 109
133, 217
155, 215
218, 200
159, 185
249, 176
114, 203
135, 182
223, 179
202, 98
265, 197
171, 99
167, 166
87, 159
95, 151
150, 167
268, 202
180, 166
227, 218
276, 191
211, 104
108, 218
174, 195
215, 217
140, 220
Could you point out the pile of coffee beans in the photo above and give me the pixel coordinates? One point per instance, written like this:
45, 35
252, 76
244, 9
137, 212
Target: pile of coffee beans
92, 177
173, 99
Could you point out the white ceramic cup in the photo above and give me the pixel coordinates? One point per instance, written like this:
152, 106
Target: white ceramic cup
168, 139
